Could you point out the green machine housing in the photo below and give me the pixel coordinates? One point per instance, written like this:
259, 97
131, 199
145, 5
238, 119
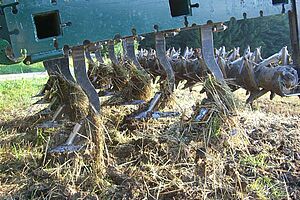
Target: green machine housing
38, 30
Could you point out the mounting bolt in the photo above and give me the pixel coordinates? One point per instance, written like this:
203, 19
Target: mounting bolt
195, 5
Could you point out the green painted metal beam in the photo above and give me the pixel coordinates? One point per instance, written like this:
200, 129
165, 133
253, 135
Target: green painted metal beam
44, 27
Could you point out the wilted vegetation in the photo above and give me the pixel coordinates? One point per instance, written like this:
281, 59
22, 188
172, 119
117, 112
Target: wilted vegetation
253, 154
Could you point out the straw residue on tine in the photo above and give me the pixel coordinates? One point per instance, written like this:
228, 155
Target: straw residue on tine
221, 95
74, 97
97, 145
135, 84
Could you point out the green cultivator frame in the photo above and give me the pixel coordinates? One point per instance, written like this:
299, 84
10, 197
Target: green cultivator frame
52, 30
40, 29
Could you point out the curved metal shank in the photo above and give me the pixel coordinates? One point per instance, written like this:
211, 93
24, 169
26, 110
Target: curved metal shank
129, 44
98, 55
65, 69
82, 78
59, 66
208, 52
160, 43
51, 67
111, 53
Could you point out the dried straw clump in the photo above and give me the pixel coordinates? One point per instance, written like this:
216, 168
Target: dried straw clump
135, 85
79, 111
74, 98
139, 86
221, 95
48, 87
168, 99
121, 76
100, 75
96, 146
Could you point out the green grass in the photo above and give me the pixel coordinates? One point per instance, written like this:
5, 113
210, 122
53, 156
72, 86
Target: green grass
17, 94
21, 68
256, 161
266, 188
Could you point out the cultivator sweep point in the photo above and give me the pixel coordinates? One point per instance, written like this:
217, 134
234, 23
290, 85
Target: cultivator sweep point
54, 29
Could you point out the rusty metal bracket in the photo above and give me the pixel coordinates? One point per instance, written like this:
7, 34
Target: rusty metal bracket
82, 78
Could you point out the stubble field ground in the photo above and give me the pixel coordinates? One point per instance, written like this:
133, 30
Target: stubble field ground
256, 156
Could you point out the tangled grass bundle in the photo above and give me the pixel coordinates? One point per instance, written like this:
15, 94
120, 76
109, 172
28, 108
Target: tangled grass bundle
139, 86
220, 95
135, 85
121, 77
100, 74
79, 111
74, 98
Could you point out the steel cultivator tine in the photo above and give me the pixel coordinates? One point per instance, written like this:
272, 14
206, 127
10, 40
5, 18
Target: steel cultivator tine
98, 54
78, 55
82, 78
160, 43
59, 66
111, 53
61, 69
129, 45
51, 69
208, 52
68, 146
147, 113
64, 69
88, 55
91, 64
124, 44
284, 56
